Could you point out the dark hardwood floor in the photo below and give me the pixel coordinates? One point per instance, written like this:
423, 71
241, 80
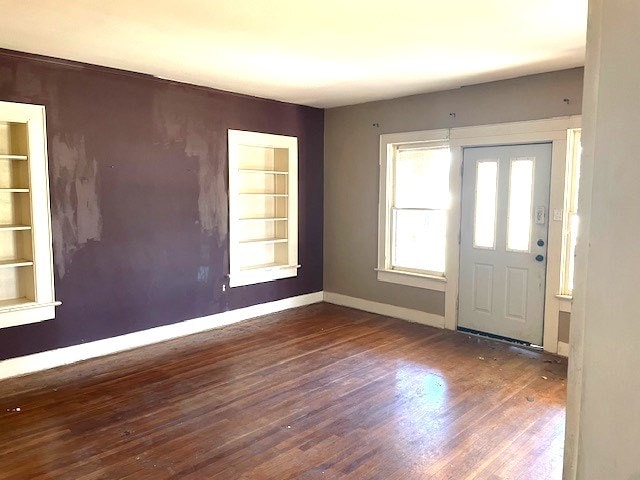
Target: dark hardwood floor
317, 392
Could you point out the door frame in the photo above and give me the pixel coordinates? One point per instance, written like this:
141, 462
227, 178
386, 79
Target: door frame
554, 131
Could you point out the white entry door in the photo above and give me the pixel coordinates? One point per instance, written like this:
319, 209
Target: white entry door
503, 243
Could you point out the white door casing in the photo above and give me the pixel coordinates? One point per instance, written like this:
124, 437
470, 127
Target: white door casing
552, 130
503, 243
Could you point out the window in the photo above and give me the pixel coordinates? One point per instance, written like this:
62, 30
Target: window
414, 202
263, 207
570, 218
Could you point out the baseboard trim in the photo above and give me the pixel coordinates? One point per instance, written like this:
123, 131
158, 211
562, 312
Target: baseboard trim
64, 356
402, 313
563, 349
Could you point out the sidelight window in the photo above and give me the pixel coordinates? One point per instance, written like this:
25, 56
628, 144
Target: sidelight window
571, 220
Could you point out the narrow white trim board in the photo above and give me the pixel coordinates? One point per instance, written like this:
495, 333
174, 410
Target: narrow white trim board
75, 353
563, 349
402, 313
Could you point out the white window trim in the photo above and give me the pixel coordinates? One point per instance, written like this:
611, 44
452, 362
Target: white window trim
552, 130
388, 145
565, 302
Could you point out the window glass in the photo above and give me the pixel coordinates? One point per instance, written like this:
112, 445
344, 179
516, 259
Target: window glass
422, 178
571, 204
519, 216
484, 233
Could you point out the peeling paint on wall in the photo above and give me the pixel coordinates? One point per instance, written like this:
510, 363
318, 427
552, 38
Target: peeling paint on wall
75, 207
212, 197
139, 183
205, 144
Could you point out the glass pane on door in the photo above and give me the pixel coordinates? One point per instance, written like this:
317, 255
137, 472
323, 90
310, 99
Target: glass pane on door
519, 216
484, 232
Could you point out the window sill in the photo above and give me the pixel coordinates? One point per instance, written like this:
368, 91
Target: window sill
565, 302
428, 282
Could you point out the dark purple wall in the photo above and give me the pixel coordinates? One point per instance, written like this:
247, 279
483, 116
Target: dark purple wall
139, 198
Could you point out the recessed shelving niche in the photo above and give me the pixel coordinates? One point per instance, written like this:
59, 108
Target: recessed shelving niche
263, 207
26, 280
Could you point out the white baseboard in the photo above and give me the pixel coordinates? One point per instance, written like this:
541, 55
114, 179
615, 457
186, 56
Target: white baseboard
64, 356
563, 349
409, 314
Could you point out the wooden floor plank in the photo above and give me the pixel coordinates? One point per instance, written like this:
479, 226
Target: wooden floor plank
316, 392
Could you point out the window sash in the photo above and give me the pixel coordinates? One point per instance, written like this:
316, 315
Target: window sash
426, 249
434, 204
570, 218
391, 146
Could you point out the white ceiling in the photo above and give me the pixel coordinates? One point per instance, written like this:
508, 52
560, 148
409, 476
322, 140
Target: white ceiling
322, 53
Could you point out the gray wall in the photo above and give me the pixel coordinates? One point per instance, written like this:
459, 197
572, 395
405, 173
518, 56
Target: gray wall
351, 168
564, 319
603, 411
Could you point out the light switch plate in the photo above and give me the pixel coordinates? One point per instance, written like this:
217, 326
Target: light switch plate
557, 214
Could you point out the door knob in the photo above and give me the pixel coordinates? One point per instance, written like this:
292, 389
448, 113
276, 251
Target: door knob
539, 258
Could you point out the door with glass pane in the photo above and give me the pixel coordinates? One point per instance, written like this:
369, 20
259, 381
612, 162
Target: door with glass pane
503, 243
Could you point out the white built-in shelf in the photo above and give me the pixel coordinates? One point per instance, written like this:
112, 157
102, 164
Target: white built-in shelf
15, 302
26, 271
17, 262
268, 266
261, 194
264, 241
14, 227
266, 219
268, 172
263, 207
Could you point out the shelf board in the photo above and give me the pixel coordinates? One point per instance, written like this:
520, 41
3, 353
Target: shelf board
267, 266
269, 172
264, 240
14, 227
266, 194
16, 262
266, 219
11, 302
15, 190
13, 157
